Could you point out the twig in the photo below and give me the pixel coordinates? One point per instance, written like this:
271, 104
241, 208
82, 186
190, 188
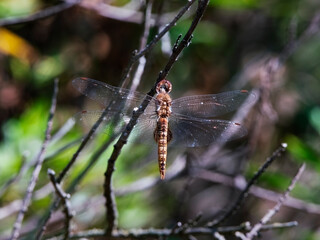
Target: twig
218, 236
202, 5
240, 235
67, 126
64, 197
82, 145
256, 228
239, 183
108, 191
26, 165
252, 181
114, 12
62, 149
143, 43
23, 168
72, 161
156, 233
152, 92
311, 30
26, 201
39, 15
43, 222
136, 55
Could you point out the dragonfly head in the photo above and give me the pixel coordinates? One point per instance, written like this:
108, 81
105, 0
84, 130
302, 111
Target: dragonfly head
164, 86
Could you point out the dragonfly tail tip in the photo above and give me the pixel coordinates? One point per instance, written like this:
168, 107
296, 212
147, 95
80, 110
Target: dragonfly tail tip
162, 175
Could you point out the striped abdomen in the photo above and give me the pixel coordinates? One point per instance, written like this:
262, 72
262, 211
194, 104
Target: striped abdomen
162, 136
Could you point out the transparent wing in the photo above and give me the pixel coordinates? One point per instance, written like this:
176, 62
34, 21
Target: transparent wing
196, 132
212, 105
186, 131
116, 99
117, 121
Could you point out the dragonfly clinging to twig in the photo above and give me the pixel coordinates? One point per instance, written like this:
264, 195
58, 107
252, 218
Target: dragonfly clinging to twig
186, 121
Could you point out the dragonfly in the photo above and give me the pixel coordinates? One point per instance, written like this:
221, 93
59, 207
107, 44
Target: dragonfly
188, 121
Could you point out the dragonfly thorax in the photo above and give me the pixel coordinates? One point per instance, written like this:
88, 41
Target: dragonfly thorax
164, 107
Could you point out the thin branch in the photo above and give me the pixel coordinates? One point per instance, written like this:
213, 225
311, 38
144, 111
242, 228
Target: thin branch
83, 144
310, 31
114, 12
108, 191
26, 201
62, 149
252, 181
218, 236
24, 166
202, 5
157, 233
55, 205
254, 231
64, 198
143, 42
240, 183
136, 55
96, 125
38, 15
71, 188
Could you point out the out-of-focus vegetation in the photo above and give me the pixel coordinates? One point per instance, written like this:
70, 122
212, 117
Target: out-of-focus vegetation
229, 50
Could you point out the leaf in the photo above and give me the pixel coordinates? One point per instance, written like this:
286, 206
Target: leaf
14, 45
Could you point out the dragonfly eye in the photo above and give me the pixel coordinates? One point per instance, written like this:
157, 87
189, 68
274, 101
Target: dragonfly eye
164, 84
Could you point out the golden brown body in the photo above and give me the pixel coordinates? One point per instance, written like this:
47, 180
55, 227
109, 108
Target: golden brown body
162, 134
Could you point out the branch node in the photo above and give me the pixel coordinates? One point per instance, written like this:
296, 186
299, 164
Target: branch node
176, 44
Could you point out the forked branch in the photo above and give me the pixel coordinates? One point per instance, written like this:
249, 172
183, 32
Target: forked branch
252, 181
40, 158
108, 191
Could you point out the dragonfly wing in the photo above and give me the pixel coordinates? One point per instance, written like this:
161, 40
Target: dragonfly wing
196, 132
88, 118
116, 99
117, 121
143, 131
212, 105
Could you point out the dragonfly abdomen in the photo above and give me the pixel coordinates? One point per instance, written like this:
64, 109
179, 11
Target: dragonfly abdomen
162, 133
162, 136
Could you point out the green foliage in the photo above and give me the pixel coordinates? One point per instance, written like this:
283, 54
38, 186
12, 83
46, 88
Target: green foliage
22, 136
234, 4
302, 152
207, 33
136, 211
9, 8
48, 68
315, 118
43, 71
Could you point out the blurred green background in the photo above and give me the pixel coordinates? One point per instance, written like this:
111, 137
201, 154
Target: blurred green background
229, 50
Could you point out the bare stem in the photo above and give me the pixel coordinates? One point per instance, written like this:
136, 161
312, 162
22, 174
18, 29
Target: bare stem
254, 231
143, 42
64, 197
136, 55
252, 181
158, 233
39, 15
42, 224
108, 190
27, 198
